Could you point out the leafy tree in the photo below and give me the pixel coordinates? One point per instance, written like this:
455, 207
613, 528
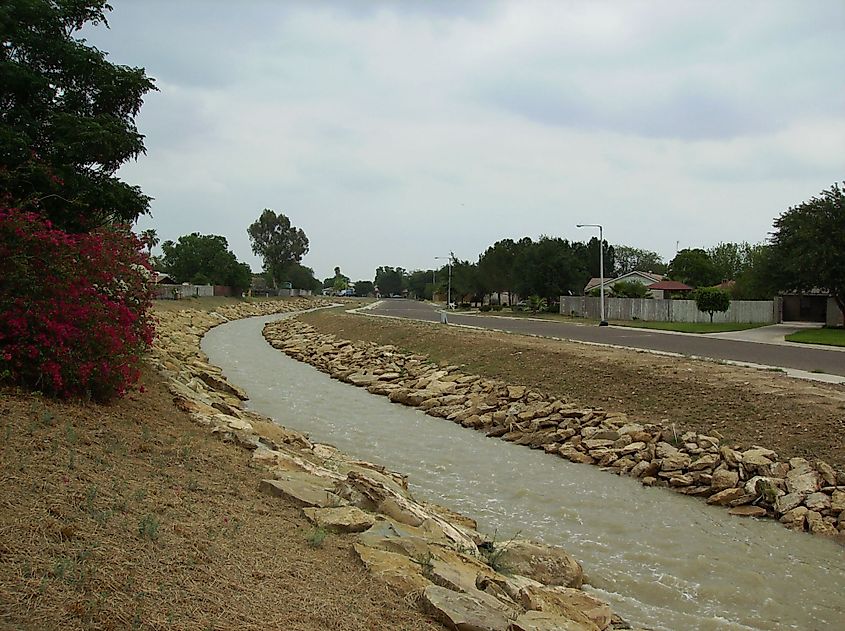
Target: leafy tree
758, 279
629, 289
551, 267
300, 277
275, 240
339, 282
809, 245
629, 259
364, 288
592, 258
730, 259
205, 258
711, 299
466, 282
67, 116
693, 267
390, 280
420, 284
496, 266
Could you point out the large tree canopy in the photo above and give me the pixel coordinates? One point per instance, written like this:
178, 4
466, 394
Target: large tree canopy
205, 259
390, 280
694, 267
809, 244
280, 244
630, 259
67, 116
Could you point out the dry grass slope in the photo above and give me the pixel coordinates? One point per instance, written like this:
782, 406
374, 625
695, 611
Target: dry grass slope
131, 517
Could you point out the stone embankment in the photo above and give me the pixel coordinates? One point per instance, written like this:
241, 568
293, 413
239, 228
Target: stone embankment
426, 552
803, 495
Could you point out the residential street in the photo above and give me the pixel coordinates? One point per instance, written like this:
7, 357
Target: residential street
810, 358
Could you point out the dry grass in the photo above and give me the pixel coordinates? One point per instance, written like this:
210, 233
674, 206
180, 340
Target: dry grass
796, 418
131, 517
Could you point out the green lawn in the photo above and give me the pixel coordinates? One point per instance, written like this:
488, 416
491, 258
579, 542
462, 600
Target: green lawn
690, 327
829, 337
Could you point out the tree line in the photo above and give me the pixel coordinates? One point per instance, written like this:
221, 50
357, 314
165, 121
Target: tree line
806, 251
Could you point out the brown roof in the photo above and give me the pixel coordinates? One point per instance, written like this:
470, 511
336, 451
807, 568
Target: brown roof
670, 285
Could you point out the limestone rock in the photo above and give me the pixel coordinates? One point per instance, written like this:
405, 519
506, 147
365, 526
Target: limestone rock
837, 501
397, 570
722, 498
724, 479
817, 501
543, 621
826, 471
549, 565
340, 518
568, 603
803, 481
302, 489
462, 612
675, 462
786, 503
817, 525
748, 511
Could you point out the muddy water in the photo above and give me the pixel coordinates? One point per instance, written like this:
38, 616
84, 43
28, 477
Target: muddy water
663, 560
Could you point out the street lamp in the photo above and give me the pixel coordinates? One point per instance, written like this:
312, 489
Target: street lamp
603, 322
449, 286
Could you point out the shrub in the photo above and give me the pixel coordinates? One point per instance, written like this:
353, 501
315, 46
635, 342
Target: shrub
484, 308
711, 300
74, 308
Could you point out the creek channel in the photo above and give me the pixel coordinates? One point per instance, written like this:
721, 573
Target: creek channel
663, 560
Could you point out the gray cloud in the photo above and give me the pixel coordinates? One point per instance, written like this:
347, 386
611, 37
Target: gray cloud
396, 132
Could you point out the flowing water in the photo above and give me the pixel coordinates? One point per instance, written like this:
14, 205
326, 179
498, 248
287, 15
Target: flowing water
661, 559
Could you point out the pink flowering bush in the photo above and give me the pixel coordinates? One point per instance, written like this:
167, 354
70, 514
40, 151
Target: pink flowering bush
74, 308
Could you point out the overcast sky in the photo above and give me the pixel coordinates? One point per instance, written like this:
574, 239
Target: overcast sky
394, 132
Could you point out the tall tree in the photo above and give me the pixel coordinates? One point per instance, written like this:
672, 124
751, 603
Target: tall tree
809, 245
364, 288
205, 259
301, 277
419, 284
730, 259
390, 280
277, 242
551, 267
67, 116
496, 266
630, 259
693, 267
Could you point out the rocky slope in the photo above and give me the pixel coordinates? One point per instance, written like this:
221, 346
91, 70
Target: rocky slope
803, 495
427, 552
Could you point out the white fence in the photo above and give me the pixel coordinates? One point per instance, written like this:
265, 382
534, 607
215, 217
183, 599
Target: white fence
659, 310
165, 291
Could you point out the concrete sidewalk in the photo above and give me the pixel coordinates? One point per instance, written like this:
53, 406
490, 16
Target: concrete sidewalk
772, 334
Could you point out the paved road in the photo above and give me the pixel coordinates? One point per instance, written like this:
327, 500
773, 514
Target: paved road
810, 359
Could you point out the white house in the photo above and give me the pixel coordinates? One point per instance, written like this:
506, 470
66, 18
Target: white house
645, 278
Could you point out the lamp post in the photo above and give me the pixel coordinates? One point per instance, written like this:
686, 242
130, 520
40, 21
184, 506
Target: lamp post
449, 285
603, 321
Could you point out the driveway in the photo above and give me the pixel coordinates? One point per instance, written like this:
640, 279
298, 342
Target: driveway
789, 356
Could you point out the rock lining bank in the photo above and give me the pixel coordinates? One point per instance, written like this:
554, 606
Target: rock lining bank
752, 481
426, 552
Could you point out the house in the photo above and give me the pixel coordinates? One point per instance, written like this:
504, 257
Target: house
160, 278
644, 278
665, 288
